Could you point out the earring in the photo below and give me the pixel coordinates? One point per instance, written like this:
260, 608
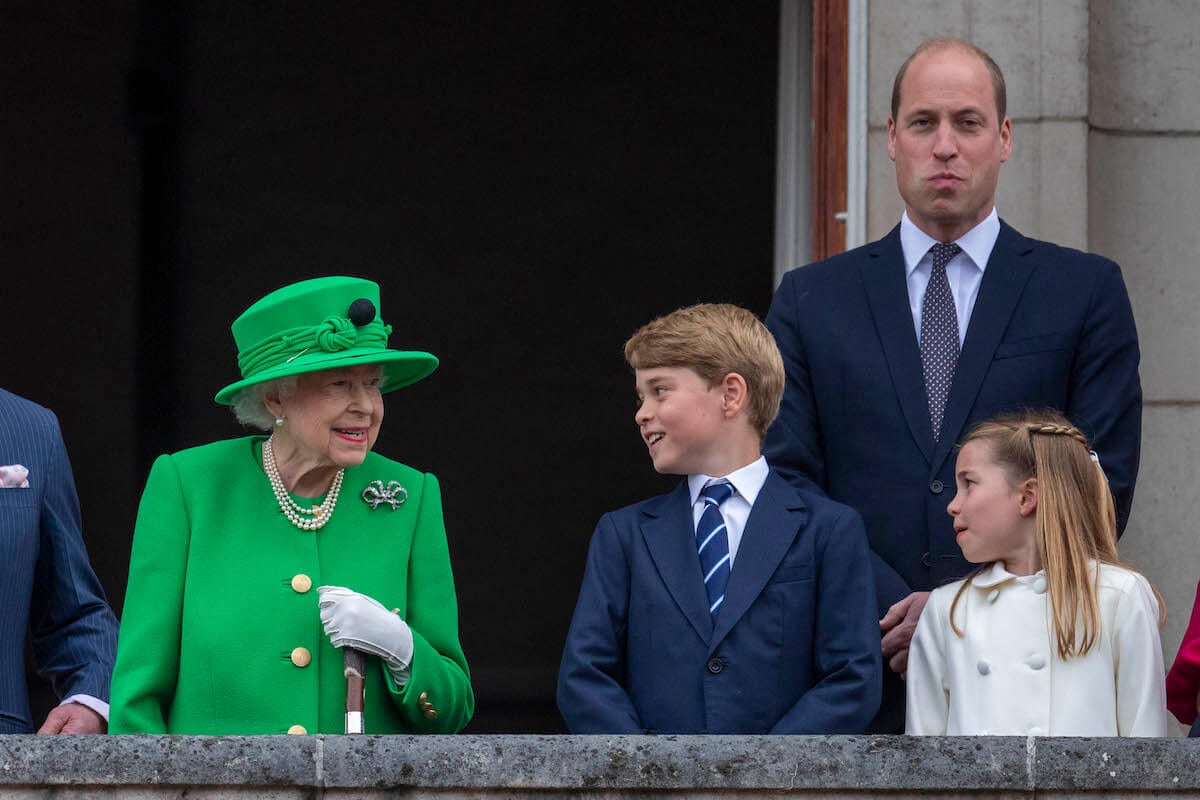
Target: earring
278, 422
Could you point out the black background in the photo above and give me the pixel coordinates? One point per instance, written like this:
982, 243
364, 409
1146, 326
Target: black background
529, 183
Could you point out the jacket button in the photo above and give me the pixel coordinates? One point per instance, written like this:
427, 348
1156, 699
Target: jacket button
297, 730
1036, 731
936, 487
715, 666
1036, 661
301, 583
984, 667
927, 559
301, 657
1039, 584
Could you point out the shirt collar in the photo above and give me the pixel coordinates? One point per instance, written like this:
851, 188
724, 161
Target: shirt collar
747, 481
977, 243
996, 574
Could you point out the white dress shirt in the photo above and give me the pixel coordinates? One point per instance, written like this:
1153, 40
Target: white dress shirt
964, 272
747, 482
1004, 677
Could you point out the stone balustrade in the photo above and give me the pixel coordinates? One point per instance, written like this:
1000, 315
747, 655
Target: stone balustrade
452, 767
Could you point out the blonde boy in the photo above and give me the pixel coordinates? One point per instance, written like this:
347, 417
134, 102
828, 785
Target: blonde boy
736, 603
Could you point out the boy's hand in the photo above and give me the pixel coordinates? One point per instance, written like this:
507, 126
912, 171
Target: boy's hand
898, 626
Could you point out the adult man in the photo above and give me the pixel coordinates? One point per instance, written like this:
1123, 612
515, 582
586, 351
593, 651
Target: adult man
894, 350
47, 586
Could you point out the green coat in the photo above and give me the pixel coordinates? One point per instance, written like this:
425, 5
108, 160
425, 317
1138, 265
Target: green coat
213, 616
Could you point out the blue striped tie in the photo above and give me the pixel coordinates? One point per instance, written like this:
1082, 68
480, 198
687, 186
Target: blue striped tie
713, 544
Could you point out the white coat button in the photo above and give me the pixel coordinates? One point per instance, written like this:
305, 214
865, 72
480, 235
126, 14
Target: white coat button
993, 595
1036, 731
1039, 584
984, 667
1036, 661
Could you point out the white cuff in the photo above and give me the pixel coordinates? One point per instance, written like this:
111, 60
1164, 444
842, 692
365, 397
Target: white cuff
401, 665
99, 706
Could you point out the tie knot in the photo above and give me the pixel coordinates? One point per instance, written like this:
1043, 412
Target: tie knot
942, 252
717, 492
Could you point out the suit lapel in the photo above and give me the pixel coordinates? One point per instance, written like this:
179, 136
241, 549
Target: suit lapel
1008, 270
665, 530
887, 295
775, 520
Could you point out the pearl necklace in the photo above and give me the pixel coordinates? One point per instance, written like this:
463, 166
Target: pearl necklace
291, 509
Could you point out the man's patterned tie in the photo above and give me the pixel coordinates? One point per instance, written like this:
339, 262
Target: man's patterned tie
939, 335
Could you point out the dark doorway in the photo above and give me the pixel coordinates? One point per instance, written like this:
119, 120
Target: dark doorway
528, 182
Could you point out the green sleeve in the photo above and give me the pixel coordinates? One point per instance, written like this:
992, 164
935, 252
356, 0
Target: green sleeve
143, 682
439, 668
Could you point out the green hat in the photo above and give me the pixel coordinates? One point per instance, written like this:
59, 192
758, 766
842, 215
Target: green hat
324, 323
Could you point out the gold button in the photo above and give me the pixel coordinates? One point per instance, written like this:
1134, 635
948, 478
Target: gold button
301, 657
301, 583
297, 730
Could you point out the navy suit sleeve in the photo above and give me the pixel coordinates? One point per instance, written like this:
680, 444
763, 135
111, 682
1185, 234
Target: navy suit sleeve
591, 693
1106, 394
73, 629
846, 654
793, 444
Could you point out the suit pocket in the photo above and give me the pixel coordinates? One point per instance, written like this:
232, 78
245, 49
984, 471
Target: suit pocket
791, 574
1059, 340
17, 498
1033, 372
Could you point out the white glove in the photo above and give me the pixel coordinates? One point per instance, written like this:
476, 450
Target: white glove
354, 620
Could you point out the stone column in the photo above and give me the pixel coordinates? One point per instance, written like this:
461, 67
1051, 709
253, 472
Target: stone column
1143, 180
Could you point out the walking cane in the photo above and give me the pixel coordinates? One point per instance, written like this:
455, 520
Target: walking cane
356, 686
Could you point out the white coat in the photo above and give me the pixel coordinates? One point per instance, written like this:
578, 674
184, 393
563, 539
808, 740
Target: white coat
1004, 677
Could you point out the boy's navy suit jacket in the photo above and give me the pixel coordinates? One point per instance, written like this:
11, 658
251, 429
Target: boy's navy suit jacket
794, 649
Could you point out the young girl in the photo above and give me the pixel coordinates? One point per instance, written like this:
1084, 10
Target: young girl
1050, 636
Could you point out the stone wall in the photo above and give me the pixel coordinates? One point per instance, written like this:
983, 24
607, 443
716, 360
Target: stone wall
370, 767
1143, 178
1042, 46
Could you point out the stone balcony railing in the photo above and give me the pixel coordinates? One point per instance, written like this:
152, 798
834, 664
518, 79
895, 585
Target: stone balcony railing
544, 767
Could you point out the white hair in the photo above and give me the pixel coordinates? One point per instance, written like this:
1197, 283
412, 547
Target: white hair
250, 404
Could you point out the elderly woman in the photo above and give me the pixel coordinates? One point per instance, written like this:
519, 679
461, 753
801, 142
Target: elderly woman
255, 559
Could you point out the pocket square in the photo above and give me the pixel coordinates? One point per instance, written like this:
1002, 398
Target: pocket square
14, 476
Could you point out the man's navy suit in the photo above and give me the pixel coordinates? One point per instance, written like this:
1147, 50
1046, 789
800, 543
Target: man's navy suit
795, 647
47, 586
1051, 328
